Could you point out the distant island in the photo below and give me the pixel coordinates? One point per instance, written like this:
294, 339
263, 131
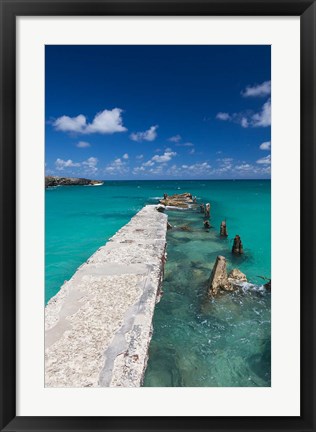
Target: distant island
70, 181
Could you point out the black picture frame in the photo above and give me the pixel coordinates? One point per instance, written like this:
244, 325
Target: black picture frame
10, 9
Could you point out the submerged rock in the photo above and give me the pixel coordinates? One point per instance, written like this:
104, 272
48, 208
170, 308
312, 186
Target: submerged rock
186, 228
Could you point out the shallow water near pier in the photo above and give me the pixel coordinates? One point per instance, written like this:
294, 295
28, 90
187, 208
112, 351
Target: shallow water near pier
202, 342
196, 342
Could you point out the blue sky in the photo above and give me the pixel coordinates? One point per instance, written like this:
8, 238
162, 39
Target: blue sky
158, 112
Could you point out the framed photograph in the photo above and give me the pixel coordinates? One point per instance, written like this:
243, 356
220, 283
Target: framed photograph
157, 223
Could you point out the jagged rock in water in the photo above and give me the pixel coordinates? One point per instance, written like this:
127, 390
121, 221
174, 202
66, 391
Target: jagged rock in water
219, 280
268, 285
237, 275
68, 181
207, 210
223, 229
237, 246
202, 208
169, 226
206, 224
177, 200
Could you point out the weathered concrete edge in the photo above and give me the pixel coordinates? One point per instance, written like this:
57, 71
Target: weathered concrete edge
125, 358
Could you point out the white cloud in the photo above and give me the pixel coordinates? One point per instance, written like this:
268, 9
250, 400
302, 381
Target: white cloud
138, 170
244, 122
117, 166
90, 165
148, 163
148, 135
83, 144
201, 168
70, 124
61, 164
260, 90
192, 151
265, 145
244, 167
263, 118
175, 138
105, 122
223, 116
265, 160
141, 156
166, 157
248, 118
225, 164
125, 156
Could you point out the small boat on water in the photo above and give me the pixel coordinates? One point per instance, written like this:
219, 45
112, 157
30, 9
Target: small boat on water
95, 183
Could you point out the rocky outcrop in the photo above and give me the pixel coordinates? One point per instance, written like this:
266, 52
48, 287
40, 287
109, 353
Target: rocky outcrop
207, 210
177, 200
68, 181
219, 280
223, 229
268, 285
236, 275
237, 248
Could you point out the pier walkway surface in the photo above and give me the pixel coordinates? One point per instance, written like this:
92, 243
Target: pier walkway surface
99, 325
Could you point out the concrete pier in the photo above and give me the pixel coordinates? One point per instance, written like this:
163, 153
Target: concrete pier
99, 325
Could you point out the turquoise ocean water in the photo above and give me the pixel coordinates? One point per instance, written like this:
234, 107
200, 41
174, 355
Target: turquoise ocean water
196, 342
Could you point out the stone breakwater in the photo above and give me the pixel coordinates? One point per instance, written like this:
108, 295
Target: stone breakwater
99, 325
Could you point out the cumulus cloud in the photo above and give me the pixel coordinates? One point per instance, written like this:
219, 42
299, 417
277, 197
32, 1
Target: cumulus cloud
90, 165
83, 144
61, 164
244, 167
175, 138
224, 165
141, 156
265, 160
265, 145
244, 122
166, 157
260, 90
148, 135
71, 124
223, 116
125, 156
249, 118
117, 166
263, 118
105, 122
